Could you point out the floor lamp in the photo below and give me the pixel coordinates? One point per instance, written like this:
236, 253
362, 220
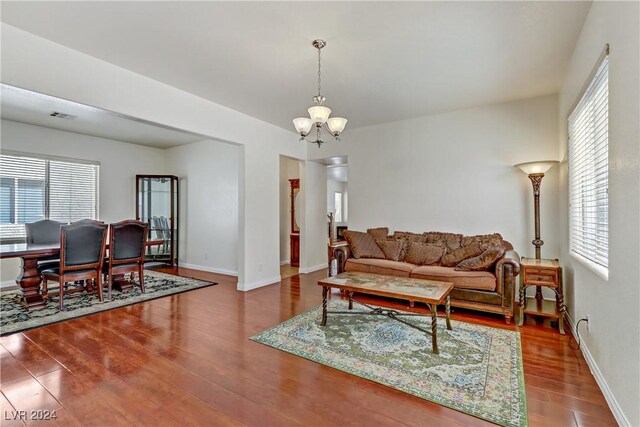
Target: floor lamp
536, 171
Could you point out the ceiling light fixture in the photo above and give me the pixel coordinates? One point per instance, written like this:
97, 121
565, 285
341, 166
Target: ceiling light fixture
319, 113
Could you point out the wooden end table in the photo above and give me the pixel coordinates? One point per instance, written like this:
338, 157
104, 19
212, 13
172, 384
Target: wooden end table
539, 273
429, 292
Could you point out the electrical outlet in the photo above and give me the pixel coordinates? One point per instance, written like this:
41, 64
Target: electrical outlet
588, 323
259, 267
206, 255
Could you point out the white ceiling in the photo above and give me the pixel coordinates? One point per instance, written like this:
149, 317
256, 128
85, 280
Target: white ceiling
34, 108
384, 61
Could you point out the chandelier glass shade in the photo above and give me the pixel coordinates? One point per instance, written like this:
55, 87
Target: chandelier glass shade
319, 113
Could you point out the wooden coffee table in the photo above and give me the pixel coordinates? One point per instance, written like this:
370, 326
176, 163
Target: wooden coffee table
429, 292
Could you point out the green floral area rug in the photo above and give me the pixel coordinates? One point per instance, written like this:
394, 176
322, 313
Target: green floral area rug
478, 370
15, 317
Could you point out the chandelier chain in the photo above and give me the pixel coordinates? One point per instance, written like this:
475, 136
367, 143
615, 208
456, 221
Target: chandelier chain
319, 78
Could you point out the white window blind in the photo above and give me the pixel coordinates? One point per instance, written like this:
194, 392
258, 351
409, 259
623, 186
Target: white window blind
588, 128
32, 189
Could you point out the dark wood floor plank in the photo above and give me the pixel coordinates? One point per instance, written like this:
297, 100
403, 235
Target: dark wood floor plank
187, 360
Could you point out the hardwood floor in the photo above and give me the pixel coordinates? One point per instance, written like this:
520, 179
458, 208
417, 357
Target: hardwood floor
187, 360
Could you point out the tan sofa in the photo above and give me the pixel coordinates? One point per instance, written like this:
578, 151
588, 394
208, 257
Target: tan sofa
491, 291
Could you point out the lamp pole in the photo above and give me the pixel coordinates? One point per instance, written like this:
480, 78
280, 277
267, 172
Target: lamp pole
536, 180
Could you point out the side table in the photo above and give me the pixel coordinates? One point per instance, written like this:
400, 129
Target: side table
539, 273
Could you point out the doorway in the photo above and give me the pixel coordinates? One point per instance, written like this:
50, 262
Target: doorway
290, 186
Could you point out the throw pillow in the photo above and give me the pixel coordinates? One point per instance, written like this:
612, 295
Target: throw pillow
379, 233
409, 237
483, 262
423, 254
451, 241
363, 245
454, 258
486, 240
393, 249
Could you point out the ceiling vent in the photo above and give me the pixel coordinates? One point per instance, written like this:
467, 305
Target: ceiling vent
63, 115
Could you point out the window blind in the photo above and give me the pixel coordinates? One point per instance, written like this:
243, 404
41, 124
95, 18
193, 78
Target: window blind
588, 128
73, 191
32, 189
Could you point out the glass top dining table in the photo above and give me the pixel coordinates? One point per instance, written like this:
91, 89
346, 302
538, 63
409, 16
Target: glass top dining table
29, 279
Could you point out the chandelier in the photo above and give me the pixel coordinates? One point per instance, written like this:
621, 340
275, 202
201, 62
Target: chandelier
319, 113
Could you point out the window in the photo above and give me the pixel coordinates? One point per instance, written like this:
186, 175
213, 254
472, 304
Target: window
32, 189
589, 172
337, 204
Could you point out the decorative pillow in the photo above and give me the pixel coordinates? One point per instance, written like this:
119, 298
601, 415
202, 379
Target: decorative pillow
379, 233
451, 241
486, 240
483, 262
409, 237
423, 254
363, 245
454, 258
393, 249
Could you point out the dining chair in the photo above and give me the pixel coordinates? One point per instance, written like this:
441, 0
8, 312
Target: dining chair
44, 232
82, 249
127, 241
87, 221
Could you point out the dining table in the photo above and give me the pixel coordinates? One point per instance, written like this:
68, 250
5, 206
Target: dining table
29, 278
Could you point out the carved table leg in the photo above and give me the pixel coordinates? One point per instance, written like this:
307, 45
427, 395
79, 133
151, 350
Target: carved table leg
561, 308
29, 281
325, 291
447, 308
350, 300
121, 283
434, 327
521, 304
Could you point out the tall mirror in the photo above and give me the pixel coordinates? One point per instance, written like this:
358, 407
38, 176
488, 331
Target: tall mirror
294, 238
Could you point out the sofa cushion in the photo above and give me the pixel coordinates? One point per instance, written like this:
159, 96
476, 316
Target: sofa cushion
379, 233
409, 237
480, 280
486, 240
423, 254
363, 245
393, 249
379, 266
452, 259
451, 241
484, 261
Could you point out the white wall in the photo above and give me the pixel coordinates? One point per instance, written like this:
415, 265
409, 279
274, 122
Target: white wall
289, 169
119, 164
613, 343
209, 174
314, 235
37, 64
454, 172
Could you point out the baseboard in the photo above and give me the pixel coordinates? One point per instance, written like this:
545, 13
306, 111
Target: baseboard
602, 383
209, 269
8, 285
312, 269
250, 286
285, 262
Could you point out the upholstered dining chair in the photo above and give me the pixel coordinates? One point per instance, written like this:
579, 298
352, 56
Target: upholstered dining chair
44, 232
127, 241
87, 221
82, 249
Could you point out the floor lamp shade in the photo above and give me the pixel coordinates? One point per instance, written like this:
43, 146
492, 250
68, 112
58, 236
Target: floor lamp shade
536, 171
